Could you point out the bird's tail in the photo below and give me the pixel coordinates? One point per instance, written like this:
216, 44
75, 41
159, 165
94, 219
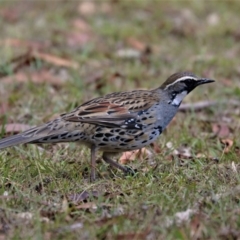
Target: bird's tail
50, 132
24, 137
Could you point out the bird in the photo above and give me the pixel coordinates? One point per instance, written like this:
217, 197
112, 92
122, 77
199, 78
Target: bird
116, 122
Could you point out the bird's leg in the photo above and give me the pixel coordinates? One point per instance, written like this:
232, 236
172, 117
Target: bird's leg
93, 164
126, 170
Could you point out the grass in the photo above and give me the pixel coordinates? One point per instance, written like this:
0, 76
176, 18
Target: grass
38, 183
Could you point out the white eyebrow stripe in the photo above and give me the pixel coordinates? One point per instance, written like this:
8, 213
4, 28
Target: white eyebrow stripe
182, 79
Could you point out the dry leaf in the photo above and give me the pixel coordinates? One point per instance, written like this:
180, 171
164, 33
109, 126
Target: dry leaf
228, 143
89, 205
196, 226
55, 60
141, 154
19, 43
15, 128
87, 8
156, 147
221, 130
3, 108
81, 25
78, 39
137, 44
227, 82
10, 15
42, 76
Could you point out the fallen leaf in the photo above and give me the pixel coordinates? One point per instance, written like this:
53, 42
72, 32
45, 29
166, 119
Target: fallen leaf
137, 44
88, 205
15, 128
220, 129
42, 76
81, 25
78, 39
227, 82
55, 60
87, 8
228, 143
196, 226
3, 108
19, 43
156, 147
10, 15
141, 154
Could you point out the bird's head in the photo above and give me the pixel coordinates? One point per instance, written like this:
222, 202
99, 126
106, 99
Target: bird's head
180, 84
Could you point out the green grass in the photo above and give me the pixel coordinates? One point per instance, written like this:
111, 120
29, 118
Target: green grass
37, 183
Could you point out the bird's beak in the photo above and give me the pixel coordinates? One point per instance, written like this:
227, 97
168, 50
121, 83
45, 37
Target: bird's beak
204, 81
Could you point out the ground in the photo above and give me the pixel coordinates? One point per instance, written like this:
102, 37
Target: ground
58, 54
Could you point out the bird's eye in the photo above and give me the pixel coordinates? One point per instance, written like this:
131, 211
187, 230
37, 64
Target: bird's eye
174, 94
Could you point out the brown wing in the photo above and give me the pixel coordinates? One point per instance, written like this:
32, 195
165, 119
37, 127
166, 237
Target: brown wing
114, 110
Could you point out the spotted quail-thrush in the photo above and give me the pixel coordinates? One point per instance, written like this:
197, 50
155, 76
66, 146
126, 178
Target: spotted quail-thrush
117, 122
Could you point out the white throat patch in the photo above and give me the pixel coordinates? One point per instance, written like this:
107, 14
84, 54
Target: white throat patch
179, 97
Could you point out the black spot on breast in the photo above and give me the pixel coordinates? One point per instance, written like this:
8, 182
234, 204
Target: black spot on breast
159, 128
64, 134
108, 135
144, 141
140, 134
102, 144
123, 144
98, 135
128, 140
121, 133
105, 139
53, 138
76, 134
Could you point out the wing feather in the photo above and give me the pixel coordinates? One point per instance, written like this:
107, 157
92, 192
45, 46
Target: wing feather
114, 110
